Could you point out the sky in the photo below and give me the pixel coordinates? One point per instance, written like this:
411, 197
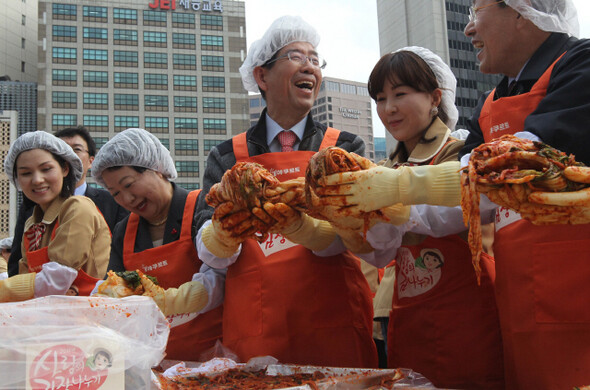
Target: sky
348, 31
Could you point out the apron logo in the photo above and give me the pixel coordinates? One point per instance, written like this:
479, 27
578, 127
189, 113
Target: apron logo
417, 276
501, 127
155, 266
275, 243
286, 171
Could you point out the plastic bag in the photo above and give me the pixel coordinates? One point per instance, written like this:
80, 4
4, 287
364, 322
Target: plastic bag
65, 342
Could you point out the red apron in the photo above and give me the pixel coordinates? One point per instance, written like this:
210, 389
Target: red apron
282, 300
442, 324
542, 289
83, 284
174, 264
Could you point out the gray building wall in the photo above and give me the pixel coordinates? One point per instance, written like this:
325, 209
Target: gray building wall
96, 44
18, 40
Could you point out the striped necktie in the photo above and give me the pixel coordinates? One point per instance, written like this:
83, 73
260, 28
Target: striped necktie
287, 139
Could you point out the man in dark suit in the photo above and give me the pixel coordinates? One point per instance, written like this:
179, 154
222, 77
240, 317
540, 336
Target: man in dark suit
85, 148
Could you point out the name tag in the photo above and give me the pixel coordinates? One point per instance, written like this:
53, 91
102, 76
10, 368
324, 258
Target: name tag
505, 217
275, 243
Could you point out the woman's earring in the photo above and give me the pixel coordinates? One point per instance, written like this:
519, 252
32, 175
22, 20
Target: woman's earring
434, 111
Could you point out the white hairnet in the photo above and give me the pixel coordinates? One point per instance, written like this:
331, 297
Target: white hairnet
6, 243
283, 31
446, 81
549, 15
134, 147
41, 140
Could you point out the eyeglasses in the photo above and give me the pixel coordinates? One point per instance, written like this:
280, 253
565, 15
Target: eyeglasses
300, 58
473, 10
79, 150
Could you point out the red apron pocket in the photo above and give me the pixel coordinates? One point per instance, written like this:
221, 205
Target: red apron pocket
561, 286
245, 310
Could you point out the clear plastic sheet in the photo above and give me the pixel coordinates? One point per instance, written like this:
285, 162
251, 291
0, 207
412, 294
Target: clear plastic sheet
337, 378
81, 342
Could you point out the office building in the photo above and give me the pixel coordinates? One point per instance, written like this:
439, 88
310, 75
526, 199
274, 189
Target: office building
380, 149
342, 104
8, 122
168, 66
18, 115
18, 40
437, 25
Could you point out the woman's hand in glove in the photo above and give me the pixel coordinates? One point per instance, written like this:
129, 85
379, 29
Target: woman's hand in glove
279, 216
190, 297
379, 187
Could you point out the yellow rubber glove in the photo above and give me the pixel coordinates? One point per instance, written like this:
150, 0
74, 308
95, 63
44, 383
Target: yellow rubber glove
18, 288
354, 240
190, 297
379, 187
229, 228
312, 233
217, 244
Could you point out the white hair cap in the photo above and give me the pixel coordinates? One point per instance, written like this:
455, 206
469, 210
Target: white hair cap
134, 147
446, 81
549, 15
41, 140
6, 243
283, 31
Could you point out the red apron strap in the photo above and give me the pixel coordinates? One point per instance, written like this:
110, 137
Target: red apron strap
130, 234
330, 138
240, 145
187, 216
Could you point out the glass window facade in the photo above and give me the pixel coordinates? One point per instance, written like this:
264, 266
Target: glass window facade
155, 58
186, 144
122, 15
155, 79
95, 33
183, 18
96, 76
126, 121
125, 35
64, 97
64, 75
64, 120
96, 54
155, 122
213, 82
154, 16
64, 52
154, 36
96, 98
125, 78
126, 99
182, 80
64, 9
186, 123
64, 31
96, 121
94, 12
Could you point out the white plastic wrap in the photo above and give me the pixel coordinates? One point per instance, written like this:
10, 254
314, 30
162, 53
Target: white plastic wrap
336, 377
64, 342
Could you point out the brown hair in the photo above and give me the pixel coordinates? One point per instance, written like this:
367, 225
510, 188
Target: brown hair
408, 68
